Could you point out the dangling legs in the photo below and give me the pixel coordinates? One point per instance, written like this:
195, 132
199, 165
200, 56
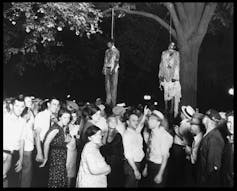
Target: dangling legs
108, 88
114, 85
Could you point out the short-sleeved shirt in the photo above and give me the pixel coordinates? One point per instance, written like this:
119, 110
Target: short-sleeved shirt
133, 145
161, 142
13, 131
42, 123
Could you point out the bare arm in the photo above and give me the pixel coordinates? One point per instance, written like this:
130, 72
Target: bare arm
141, 123
163, 165
47, 142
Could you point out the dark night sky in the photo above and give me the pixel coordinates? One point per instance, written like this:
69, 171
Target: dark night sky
215, 73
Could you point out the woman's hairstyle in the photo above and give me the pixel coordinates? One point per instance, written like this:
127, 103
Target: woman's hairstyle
62, 111
92, 130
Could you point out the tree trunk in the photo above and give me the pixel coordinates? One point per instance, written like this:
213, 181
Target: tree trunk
188, 71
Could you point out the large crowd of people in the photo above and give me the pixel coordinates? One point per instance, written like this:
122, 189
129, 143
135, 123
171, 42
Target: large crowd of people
59, 143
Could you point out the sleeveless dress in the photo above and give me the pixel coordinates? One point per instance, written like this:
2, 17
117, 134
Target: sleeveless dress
57, 159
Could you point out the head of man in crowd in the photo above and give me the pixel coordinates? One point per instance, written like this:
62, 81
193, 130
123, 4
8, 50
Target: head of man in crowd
132, 121
53, 105
211, 119
18, 105
155, 119
28, 102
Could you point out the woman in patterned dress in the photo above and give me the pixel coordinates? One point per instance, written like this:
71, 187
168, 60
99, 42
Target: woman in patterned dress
55, 151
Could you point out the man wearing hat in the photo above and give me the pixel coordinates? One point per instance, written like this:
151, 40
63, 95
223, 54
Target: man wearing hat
197, 129
158, 144
209, 157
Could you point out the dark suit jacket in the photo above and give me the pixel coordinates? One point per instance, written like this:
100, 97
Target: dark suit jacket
209, 159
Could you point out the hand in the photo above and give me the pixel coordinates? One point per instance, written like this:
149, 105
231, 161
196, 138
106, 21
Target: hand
44, 163
18, 165
146, 110
39, 157
137, 174
144, 172
68, 138
158, 179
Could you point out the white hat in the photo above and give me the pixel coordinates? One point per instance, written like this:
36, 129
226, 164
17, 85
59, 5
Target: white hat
188, 111
158, 114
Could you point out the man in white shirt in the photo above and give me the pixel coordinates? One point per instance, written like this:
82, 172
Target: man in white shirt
133, 149
13, 140
41, 126
26, 174
158, 145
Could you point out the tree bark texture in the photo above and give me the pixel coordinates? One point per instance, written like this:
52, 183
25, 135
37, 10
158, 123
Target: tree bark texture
188, 72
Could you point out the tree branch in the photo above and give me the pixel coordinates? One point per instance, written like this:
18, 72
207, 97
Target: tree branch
199, 12
145, 14
177, 24
181, 13
206, 17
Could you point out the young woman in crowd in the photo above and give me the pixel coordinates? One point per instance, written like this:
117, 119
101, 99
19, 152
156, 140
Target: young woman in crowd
55, 150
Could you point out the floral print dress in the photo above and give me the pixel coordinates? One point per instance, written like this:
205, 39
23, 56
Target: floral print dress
57, 159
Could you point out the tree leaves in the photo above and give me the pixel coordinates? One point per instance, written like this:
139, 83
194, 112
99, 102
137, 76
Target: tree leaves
42, 21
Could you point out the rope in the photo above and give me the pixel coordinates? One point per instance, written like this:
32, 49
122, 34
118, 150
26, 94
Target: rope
112, 25
170, 27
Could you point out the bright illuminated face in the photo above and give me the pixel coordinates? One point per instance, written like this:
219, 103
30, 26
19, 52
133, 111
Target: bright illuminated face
65, 118
28, 102
153, 122
54, 106
133, 121
18, 107
230, 124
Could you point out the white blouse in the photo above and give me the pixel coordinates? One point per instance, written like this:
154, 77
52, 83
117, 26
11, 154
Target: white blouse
92, 157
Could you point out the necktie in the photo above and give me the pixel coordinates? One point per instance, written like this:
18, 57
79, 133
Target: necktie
148, 151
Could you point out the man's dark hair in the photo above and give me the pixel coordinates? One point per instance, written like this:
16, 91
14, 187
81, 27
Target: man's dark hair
19, 98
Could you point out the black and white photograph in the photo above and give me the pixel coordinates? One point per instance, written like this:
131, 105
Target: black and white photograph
118, 94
